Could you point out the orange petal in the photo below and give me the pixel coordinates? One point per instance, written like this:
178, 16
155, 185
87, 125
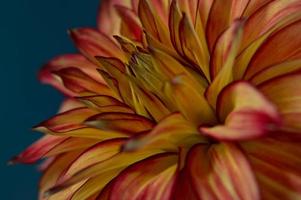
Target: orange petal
95, 154
69, 60
122, 122
68, 120
225, 46
222, 14
248, 49
284, 92
152, 23
90, 189
114, 74
189, 100
276, 71
91, 43
267, 17
247, 114
192, 47
104, 104
130, 25
204, 8
221, 171
70, 104
71, 144
222, 61
277, 166
254, 6
55, 170
108, 20
38, 149
153, 105
80, 83
150, 179
100, 101
170, 133
70, 123
116, 162
175, 16
287, 49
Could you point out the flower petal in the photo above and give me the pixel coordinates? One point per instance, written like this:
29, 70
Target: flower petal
247, 114
277, 166
117, 162
281, 13
54, 171
284, 92
69, 60
150, 179
108, 20
267, 17
71, 123
71, 144
130, 25
170, 133
38, 149
80, 83
221, 171
68, 120
276, 71
91, 43
222, 61
152, 23
190, 100
222, 14
93, 155
122, 122
192, 47
69, 104
287, 49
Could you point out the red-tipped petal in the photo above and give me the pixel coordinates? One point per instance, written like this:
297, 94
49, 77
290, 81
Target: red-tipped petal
247, 114
220, 172
68, 60
91, 43
222, 13
108, 20
277, 166
287, 49
150, 179
68, 120
284, 92
130, 25
80, 83
122, 122
38, 149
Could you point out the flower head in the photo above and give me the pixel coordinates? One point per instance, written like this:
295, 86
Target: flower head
181, 99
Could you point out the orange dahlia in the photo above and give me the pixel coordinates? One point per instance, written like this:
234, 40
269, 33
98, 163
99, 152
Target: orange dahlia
177, 100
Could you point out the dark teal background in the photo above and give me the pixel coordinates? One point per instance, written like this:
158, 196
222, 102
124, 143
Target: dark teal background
31, 32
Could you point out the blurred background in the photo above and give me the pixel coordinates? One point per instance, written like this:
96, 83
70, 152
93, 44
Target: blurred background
31, 33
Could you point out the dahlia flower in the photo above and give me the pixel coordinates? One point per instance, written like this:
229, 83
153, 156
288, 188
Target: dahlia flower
177, 99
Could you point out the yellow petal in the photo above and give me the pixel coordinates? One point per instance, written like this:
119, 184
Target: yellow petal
150, 179
221, 172
189, 100
284, 92
222, 62
247, 114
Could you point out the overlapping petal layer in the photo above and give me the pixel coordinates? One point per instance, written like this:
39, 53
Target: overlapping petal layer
177, 99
